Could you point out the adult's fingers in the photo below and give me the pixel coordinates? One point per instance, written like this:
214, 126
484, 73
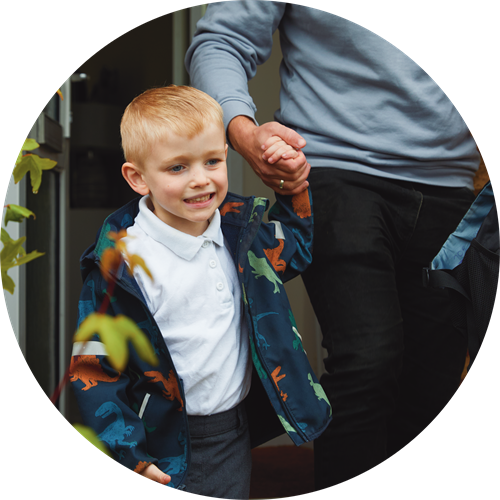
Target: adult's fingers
289, 187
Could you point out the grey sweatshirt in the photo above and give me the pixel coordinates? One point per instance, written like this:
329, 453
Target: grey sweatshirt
357, 100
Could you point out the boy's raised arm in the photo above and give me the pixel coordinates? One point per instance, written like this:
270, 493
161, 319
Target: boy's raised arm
288, 237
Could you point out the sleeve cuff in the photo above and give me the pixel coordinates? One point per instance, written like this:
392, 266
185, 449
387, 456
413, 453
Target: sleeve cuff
235, 108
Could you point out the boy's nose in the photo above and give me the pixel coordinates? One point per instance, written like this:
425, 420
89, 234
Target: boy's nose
199, 177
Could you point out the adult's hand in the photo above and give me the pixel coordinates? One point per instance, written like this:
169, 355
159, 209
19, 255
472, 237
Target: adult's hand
248, 139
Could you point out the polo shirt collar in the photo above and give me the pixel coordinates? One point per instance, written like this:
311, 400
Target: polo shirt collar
182, 244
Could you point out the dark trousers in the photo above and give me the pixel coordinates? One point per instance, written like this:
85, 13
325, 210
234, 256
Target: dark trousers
221, 460
394, 359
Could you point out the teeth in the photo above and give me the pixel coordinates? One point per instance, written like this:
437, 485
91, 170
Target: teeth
198, 200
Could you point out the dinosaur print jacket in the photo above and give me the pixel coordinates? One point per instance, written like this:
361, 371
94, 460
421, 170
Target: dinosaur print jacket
140, 413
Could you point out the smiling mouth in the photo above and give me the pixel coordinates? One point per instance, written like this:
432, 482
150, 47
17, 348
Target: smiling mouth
200, 199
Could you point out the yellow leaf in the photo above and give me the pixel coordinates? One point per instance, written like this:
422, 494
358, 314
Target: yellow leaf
115, 333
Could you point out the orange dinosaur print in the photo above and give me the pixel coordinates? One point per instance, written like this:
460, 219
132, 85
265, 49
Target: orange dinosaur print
240, 269
88, 369
141, 466
301, 205
276, 379
230, 206
273, 255
171, 391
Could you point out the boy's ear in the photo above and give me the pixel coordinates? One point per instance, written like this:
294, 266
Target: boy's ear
135, 180
226, 151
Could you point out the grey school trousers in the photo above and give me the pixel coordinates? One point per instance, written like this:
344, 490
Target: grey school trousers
221, 461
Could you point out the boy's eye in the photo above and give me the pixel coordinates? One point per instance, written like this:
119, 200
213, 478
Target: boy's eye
212, 162
176, 168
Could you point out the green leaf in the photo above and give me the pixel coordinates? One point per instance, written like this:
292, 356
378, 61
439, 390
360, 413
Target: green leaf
5, 237
16, 213
7, 282
29, 145
13, 254
28, 257
11, 249
115, 333
90, 435
34, 165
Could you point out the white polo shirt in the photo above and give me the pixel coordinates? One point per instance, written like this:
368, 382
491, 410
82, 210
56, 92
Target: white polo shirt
195, 299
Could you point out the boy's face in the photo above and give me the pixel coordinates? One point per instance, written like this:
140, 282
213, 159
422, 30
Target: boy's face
187, 178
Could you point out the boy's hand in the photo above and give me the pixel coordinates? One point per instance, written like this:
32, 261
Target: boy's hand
152, 472
275, 148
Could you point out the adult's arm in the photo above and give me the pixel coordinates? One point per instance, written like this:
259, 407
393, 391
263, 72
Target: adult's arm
231, 40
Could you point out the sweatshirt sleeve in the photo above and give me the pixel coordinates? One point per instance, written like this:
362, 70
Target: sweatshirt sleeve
102, 392
288, 237
225, 52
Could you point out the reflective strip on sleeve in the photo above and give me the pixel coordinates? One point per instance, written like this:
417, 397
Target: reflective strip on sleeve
278, 230
92, 348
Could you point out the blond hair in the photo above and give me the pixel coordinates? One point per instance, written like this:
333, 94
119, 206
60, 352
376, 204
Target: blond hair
156, 112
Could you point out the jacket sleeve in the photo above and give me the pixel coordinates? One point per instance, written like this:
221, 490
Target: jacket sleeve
102, 392
288, 237
225, 53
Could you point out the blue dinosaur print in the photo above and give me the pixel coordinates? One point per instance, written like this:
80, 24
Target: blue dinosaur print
115, 433
85, 307
255, 320
176, 465
260, 337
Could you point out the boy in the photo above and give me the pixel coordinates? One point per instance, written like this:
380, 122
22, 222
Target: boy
216, 304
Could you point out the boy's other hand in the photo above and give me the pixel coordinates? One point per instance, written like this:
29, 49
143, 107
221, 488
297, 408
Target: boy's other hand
152, 472
248, 138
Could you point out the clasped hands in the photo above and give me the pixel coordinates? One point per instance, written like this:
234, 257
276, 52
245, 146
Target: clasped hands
273, 151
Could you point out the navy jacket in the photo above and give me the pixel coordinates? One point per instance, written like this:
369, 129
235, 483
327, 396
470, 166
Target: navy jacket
140, 413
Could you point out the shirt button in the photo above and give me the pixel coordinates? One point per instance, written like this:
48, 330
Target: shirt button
206, 244
212, 264
220, 286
